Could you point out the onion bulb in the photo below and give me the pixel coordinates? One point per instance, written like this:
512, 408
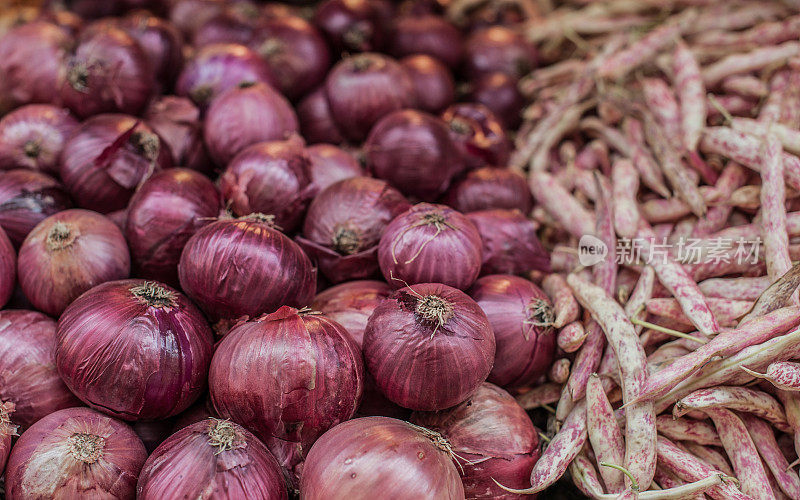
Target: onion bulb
351, 304
434, 88
499, 49
478, 135
26, 198
329, 164
33, 136
487, 188
510, 244
7, 432
316, 121
177, 122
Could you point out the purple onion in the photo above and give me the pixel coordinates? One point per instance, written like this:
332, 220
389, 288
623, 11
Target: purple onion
487, 188
161, 42
351, 25
316, 121
499, 49
499, 93
33, 136
434, 88
26, 198
329, 164
429, 35
177, 121
510, 244
478, 134
351, 304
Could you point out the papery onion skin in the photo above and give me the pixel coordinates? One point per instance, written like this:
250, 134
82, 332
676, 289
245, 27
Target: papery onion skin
430, 244
108, 72
434, 88
75, 453
28, 376
107, 158
27, 197
246, 115
510, 244
344, 225
220, 67
429, 35
133, 349
271, 178
288, 377
213, 272
373, 457
330, 164
177, 122
351, 25
493, 439
8, 268
428, 346
364, 88
161, 42
519, 312
31, 59
413, 151
316, 121
478, 134
67, 254
486, 188
351, 304
7, 432
501, 49
188, 465
33, 136
163, 214
500, 93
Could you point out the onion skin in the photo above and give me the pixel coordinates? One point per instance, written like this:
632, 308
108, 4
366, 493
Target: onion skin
413, 151
499, 92
28, 376
107, 158
430, 244
243, 116
108, 72
244, 469
424, 363
133, 349
487, 188
510, 244
514, 306
33, 136
288, 377
213, 272
220, 67
31, 59
492, 439
27, 197
499, 49
316, 121
351, 304
161, 42
67, 254
434, 88
364, 88
429, 35
344, 225
329, 164
177, 122
351, 25
7, 432
43, 463
163, 214
478, 135
271, 178
8, 268
373, 457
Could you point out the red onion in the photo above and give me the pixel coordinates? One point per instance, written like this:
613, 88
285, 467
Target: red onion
107, 158
28, 366
31, 60
161, 42
478, 134
134, 349
510, 244
75, 453
520, 314
345, 223
163, 214
430, 35
220, 67
7, 432
351, 304
499, 48
430, 244
351, 25
246, 115
224, 27
296, 52
380, 457
316, 121
434, 88
364, 88
189, 15
177, 122
212, 459
494, 13
492, 439
26, 198
303, 375
413, 151
152, 432
428, 346
119, 218
33, 136
489, 187
244, 267
67, 254
8, 268
270, 178
499, 92
329, 164
109, 71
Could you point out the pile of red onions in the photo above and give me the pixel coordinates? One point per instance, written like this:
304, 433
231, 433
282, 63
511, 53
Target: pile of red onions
33, 136
134, 349
288, 377
72, 452
67, 254
8, 268
7, 432
26, 198
374, 457
215, 458
510, 244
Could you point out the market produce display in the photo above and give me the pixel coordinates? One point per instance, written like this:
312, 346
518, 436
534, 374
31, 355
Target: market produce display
401, 249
